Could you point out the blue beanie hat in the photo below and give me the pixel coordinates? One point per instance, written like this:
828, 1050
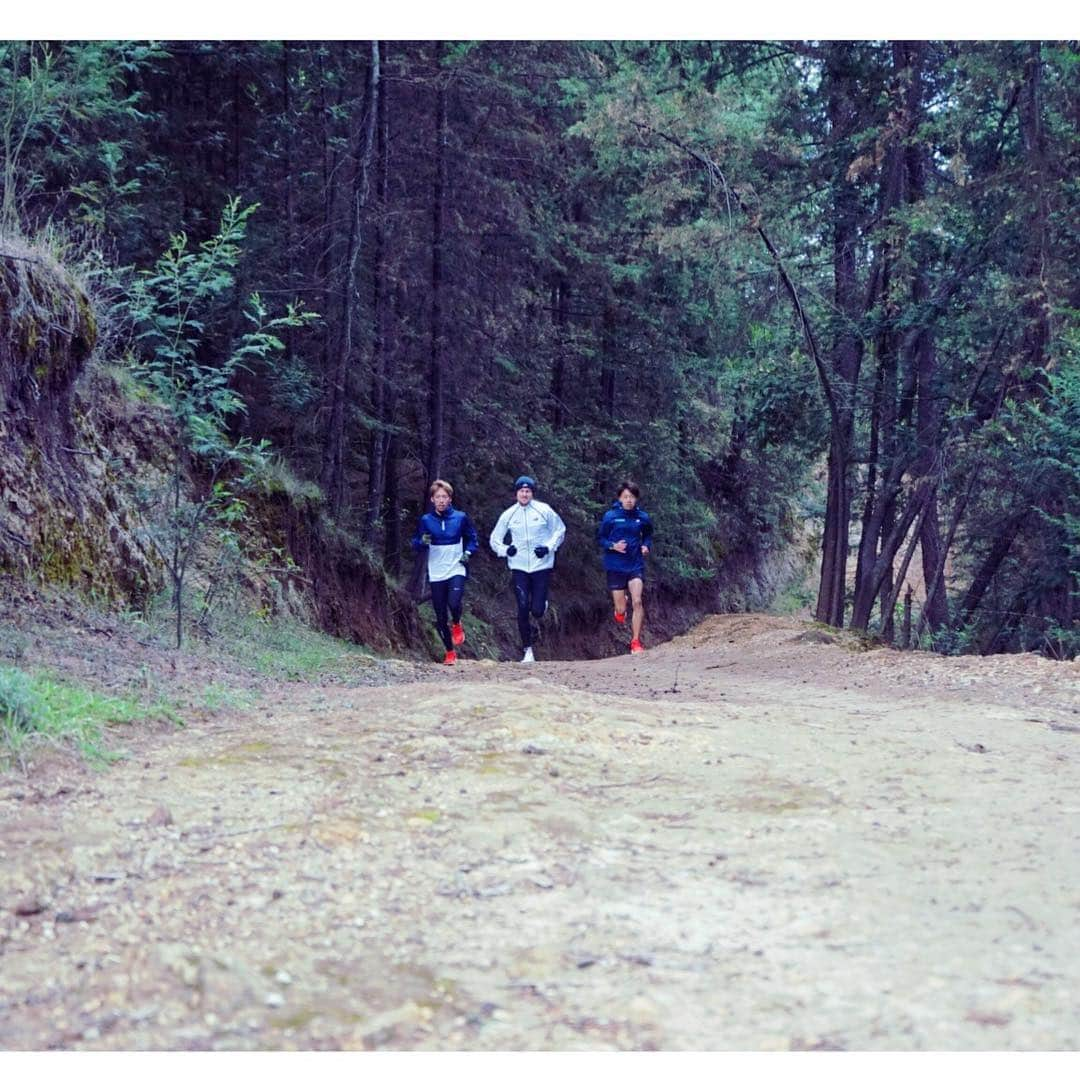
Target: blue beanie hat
525, 481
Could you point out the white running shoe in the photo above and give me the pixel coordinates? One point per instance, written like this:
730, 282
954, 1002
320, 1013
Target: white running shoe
528, 658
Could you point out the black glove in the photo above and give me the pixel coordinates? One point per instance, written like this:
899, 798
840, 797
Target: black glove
511, 550
465, 556
540, 552
426, 538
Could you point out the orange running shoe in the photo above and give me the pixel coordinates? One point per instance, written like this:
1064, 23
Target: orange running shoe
457, 633
451, 658
620, 617
636, 646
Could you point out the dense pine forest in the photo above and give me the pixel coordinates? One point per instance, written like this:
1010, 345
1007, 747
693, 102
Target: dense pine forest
813, 296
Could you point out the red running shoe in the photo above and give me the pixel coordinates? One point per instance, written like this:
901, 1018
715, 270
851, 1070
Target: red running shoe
636, 646
620, 617
451, 658
457, 633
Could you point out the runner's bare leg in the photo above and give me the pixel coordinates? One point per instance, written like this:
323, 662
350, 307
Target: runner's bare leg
637, 588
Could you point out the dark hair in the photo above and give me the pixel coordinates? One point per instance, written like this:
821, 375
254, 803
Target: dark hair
628, 485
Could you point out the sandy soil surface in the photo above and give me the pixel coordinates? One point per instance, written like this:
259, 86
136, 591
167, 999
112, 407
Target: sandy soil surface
746, 838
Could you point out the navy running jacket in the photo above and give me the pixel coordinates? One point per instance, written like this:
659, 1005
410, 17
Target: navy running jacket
633, 526
452, 534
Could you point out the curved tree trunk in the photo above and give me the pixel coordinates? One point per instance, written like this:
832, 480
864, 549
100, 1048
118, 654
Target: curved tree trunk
989, 568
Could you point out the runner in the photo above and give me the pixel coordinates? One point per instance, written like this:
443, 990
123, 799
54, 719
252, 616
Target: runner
450, 540
625, 536
535, 533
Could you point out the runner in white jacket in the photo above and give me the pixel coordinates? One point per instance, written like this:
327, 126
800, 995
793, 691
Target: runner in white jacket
535, 533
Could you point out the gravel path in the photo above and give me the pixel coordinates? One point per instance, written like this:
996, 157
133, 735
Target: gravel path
742, 839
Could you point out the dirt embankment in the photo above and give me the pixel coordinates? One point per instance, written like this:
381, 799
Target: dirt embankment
743, 839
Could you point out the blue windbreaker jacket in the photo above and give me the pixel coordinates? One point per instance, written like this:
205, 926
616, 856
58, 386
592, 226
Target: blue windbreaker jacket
452, 534
633, 526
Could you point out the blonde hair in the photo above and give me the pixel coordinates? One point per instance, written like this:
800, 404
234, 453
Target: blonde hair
446, 486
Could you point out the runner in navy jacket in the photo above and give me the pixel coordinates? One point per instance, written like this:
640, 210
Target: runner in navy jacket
451, 540
625, 538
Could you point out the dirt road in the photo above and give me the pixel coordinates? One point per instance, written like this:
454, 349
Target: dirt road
741, 839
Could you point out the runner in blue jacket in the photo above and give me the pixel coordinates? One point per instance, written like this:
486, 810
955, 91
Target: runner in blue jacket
625, 538
451, 540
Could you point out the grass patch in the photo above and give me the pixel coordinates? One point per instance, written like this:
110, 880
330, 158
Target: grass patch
280, 647
38, 711
217, 698
292, 652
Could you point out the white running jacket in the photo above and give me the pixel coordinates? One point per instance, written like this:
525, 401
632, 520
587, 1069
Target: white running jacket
530, 527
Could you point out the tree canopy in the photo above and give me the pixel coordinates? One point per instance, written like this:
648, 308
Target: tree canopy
791, 288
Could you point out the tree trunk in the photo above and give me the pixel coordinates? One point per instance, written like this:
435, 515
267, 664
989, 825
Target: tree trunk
904, 181
560, 302
392, 539
607, 362
237, 126
881, 527
879, 505
834, 544
889, 588
333, 470
381, 373
1037, 326
329, 210
917, 506
928, 415
1009, 620
436, 382
985, 574
932, 549
290, 199
846, 350
936, 583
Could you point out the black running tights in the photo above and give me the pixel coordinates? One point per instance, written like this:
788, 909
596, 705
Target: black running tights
530, 591
447, 596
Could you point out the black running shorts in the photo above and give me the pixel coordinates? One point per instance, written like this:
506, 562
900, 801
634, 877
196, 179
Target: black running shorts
617, 580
